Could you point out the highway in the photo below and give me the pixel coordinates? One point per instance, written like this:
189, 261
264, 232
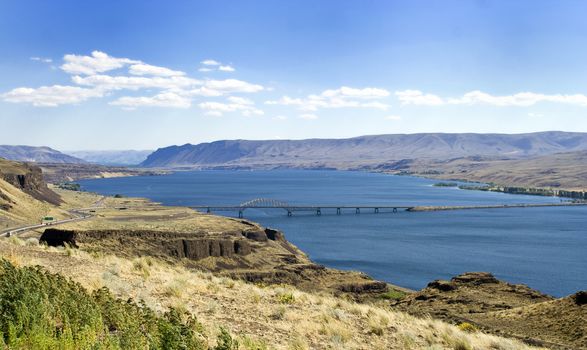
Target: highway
78, 215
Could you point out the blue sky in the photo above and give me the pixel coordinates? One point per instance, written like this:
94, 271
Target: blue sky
146, 74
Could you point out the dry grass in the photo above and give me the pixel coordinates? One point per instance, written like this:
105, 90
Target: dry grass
24, 208
264, 317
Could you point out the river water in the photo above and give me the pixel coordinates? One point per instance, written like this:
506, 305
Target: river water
545, 248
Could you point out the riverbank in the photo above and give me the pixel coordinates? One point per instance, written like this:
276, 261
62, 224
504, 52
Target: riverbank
503, 206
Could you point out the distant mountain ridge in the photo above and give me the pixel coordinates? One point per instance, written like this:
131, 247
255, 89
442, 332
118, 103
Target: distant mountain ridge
36, 155
364, 150
122, 157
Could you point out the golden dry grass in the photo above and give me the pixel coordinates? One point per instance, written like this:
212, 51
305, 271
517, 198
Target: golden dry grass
25, 209
277, 317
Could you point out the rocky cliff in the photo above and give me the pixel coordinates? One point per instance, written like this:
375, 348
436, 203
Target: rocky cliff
29, 179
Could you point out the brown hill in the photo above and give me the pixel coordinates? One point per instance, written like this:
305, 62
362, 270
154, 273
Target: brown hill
503, 308
561, 170
363, 151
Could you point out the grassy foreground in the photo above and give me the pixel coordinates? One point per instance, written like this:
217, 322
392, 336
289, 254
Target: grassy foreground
41, 310
94, 314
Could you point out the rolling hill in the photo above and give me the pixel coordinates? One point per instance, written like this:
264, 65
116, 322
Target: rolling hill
363, 151
123, 157
36, 154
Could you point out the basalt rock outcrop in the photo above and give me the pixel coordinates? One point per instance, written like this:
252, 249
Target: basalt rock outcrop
506, 309
59, 238
29, 179
469, 293
254, 254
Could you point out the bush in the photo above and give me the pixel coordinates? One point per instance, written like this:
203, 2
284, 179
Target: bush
40, 310
286, 298
225, 341
393, 294
467, 327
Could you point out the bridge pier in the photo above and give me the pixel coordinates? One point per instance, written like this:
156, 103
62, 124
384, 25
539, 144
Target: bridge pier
358, 211
289, 213
240, 214
376, 210
318, 212
208, 211
394, 210
337, 211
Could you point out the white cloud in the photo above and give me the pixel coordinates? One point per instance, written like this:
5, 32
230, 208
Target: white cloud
147, 69
173, 88
345, 91
235, 104
308, 116
343, 97
240, 100
286, 101
203, 91
204, 69
164, 99
50, 96
210, 63
232, 85
521, 99
280, 117
226, 68
535, 115
416, 97
98, 62
109, 82
393, 117
42, 59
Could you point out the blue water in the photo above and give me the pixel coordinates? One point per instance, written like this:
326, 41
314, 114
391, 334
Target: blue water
545, 248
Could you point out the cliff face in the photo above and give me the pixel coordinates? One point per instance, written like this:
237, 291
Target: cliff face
29, 179
193, 246
254, 254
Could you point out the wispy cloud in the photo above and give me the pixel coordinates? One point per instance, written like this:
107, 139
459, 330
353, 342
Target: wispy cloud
393, 117
522, 99
51, 96
417, 97
98, 62
233, 85
343, 97
308, 116
234, 104
42, 59
147, 69
226, 68
210, 65
108, 82
210, 62
165, 99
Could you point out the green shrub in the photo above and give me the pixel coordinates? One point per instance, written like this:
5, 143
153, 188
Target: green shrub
225, 341
393, 294
40, 310
286, 298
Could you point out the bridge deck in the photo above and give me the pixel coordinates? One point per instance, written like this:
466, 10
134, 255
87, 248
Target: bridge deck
296, 207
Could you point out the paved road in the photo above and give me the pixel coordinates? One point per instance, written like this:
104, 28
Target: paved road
78, 215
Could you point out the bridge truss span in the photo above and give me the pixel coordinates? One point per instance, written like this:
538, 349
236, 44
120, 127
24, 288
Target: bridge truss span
268, 203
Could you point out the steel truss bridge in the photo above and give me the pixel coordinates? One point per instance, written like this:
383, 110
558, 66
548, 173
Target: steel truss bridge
290, 209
